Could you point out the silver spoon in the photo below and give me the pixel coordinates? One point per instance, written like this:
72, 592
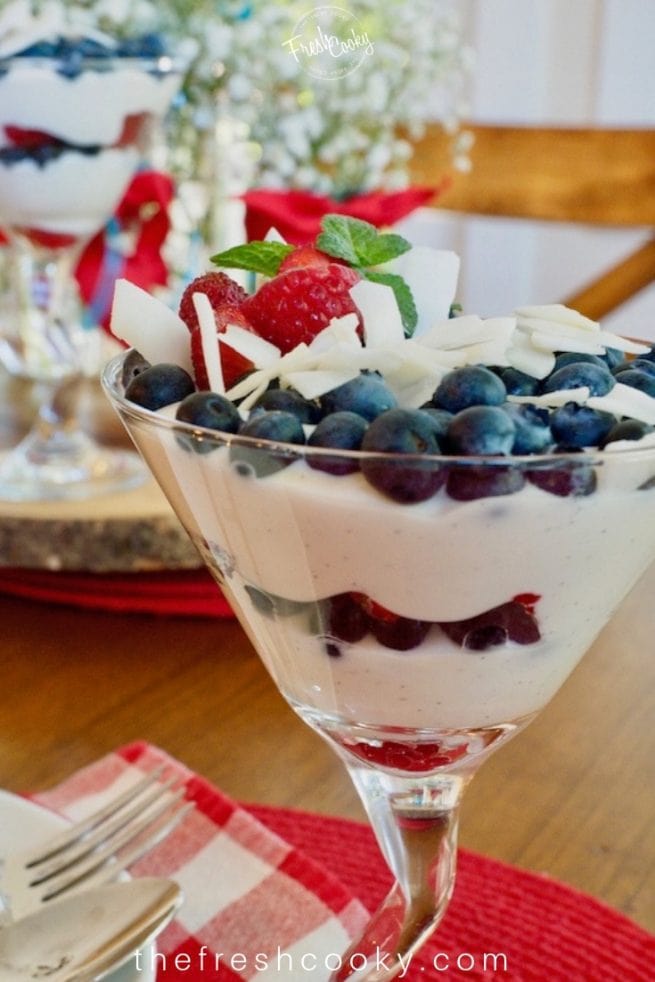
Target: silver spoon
84, 936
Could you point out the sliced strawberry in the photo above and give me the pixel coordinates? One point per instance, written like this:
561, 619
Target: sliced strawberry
295, 306
233, 364
304, 256
132, 128
220, 289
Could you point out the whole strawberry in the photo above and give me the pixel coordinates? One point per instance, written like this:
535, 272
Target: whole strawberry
296, 305
220, 289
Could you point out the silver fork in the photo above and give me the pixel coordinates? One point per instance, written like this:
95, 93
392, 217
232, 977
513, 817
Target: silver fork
97, 849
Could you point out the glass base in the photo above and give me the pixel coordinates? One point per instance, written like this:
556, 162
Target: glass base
66, 466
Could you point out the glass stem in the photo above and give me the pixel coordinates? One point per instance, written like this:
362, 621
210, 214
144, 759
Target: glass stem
415, 822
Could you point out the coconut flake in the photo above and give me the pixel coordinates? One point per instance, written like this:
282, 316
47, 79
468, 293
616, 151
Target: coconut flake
376, 302
522, 355
624, 400
253, 347
431, 275
557, 313
552, 400
147, 324
209, 342
311, 385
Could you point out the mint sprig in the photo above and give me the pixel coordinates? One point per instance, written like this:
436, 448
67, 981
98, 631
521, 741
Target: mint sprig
350, 240
363, 247
402, 293
257, 257
359, 243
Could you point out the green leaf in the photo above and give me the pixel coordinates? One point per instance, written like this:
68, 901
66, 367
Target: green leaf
403, 295
257, 257
358, 243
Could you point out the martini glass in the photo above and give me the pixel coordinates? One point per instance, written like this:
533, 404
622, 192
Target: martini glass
416, 611
73, 131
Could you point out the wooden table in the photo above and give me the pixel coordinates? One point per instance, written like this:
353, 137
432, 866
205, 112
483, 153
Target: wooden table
574, 795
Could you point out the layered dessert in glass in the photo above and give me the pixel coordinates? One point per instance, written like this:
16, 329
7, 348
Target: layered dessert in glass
422, 518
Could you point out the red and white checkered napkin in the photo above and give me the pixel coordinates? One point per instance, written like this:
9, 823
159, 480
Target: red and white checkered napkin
250, 897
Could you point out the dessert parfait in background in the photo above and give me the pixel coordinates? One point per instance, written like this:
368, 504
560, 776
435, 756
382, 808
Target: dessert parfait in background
423, 517
73, 108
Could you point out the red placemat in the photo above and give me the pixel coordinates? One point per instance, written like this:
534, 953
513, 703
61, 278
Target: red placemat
530, 927
181, 593
247, 890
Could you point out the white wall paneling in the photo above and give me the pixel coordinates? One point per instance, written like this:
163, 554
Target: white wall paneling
551, 61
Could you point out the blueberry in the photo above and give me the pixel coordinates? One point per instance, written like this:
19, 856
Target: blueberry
276, 426
402, 431
597, 378
473, 385
627, 429
40, 49
209, 410
532, 424
345, 619
367, 395
288, 401
518, 383
160, 385
638, 379
439, 418
612, 357
507, 622
481, 430
468, 483
143, 46
649, 355
133, 364
575, 426
570, 478
640, 364
339, 431
576, 358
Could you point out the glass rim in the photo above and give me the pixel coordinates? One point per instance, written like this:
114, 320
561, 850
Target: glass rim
110, 382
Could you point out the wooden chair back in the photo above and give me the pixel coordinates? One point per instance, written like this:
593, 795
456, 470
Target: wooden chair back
598, 177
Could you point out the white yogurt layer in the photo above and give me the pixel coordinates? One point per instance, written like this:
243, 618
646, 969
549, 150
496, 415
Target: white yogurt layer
313, 535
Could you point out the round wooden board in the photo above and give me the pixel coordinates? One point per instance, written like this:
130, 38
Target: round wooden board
134, 531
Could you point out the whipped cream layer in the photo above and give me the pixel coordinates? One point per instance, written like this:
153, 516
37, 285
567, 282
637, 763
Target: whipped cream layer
305, 535
73, 194
88, 109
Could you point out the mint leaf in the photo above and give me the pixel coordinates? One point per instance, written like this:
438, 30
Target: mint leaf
257, 257
403, 294
358, 243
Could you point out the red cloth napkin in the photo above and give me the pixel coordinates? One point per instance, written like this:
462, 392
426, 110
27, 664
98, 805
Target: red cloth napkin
249, 895
259, 877
297, 214
177, 593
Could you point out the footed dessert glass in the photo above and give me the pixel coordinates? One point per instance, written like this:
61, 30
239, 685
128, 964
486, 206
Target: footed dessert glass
416, 611
73, 130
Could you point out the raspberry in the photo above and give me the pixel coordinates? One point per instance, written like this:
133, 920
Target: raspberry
412, 757
219, 287
295, 306
28, 139
234, 365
